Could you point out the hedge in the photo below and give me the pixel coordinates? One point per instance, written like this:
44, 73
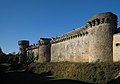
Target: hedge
89, 72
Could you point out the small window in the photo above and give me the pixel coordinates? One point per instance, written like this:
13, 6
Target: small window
117, 44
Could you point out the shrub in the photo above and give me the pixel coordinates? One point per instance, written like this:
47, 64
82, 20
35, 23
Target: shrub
88, 72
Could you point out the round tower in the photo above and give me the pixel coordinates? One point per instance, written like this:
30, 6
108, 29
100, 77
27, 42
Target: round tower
101, 29
44, 50
23, 44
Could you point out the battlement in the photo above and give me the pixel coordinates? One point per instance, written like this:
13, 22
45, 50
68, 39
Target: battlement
107, 17
42, 41
31, 47
79, 32
101, 18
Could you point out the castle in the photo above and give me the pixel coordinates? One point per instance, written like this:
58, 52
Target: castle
98, 40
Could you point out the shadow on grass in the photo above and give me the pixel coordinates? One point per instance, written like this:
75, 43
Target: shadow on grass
31, 78
114, 81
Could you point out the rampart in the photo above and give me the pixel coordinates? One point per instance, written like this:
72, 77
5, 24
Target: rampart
72, 46
90, 43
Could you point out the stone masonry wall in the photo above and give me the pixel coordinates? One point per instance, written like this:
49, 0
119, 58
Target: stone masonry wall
32, 54
44, 53
93, 44
75, 49
101, 44
116, 47
101, 31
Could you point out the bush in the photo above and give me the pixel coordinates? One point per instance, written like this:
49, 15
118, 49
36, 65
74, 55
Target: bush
88, 72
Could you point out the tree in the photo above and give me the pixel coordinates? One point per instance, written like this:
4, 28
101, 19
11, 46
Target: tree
2, 56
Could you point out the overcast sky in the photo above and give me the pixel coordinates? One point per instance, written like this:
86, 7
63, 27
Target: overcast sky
33, 19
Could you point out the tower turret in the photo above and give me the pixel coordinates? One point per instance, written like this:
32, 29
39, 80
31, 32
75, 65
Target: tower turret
44, 50
101, 28
23, 44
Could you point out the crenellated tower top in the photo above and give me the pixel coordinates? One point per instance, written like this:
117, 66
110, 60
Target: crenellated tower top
106, 17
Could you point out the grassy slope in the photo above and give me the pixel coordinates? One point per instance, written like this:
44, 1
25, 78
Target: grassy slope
88, 72
24, 77
62, 73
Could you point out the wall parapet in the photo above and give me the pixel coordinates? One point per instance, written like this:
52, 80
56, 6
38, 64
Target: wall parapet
79, 32
35, 46
42, 41
31, 47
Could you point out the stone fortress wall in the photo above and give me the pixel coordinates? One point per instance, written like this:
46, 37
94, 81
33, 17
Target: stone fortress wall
116, 47
93, 42
72, 46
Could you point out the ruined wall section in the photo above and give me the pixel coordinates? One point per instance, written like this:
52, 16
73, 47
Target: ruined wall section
72, 46
116, 47
101, 29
